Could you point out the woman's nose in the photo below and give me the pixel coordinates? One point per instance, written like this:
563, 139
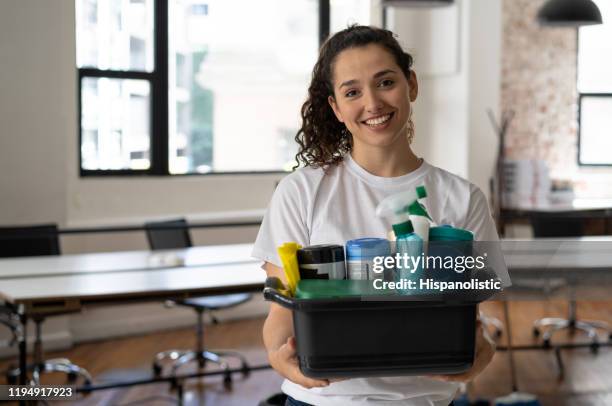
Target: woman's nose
373, 103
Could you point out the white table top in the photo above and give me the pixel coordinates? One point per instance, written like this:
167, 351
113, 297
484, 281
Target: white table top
559, 254
574, 205
120, 286
121, 261
131, 275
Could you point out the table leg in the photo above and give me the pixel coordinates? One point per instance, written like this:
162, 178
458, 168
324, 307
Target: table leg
508, 323
23, 351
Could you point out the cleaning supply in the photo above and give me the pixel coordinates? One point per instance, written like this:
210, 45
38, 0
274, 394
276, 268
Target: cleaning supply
322, 262
449, 242
404, 206
360, 255
287, 253
408, 244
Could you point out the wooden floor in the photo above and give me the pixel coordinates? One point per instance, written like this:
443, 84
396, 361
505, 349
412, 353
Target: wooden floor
588, 378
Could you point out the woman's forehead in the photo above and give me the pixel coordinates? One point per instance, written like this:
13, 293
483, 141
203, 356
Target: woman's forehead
362, 63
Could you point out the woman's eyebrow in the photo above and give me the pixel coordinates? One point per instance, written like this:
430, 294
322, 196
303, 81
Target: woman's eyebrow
376, 76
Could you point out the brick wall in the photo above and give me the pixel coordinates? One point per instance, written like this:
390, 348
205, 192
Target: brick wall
539, 84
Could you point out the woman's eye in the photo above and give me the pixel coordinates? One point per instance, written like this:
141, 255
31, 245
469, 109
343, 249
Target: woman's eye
385, 83
351, 93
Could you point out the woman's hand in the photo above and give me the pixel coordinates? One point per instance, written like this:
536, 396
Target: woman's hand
285, 362
485, 349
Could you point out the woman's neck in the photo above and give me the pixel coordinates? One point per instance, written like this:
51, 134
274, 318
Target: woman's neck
386, 161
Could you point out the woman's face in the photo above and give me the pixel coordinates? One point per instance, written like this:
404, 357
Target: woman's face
372, 96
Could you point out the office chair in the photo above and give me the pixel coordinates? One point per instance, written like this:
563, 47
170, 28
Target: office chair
36, 241
558, 225
10, 320
174, 234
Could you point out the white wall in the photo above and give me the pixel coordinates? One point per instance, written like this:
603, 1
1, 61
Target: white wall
37, 118
484, 87
452, 128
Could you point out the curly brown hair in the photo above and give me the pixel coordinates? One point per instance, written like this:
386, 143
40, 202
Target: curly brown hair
322, 138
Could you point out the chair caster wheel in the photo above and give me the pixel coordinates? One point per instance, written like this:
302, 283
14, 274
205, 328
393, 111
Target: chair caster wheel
72, 377
87, 382
536, 332
157, 370
594, 347
546, 343
227, 381
498, 334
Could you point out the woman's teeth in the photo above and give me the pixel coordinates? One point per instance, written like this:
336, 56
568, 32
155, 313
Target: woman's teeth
379, 120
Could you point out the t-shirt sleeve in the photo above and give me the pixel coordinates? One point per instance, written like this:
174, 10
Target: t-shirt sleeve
284, 221
479, 219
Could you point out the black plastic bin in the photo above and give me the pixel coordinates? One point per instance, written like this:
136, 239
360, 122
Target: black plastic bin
352, 337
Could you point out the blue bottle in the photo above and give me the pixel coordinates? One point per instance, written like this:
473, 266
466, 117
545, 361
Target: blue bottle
360, 254
409, 246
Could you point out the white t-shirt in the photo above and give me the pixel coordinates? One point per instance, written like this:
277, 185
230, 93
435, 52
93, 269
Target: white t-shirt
312, 206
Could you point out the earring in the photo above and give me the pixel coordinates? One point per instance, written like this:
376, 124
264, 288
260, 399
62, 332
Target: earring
410, 129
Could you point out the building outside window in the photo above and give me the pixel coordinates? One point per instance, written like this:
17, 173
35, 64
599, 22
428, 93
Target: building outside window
595, 90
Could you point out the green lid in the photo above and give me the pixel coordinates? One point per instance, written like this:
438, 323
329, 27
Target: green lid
403, 228
417, 209
421, 192
446, 233
325, 289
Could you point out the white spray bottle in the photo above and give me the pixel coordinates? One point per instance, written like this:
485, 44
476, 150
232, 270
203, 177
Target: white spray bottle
405, 206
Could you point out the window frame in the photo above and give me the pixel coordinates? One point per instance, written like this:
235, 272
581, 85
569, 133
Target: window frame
158, 106
579, 112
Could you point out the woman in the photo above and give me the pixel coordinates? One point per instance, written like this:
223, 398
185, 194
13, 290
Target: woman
355, 147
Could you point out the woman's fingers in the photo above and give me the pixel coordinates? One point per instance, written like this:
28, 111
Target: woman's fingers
295, 375
286, 355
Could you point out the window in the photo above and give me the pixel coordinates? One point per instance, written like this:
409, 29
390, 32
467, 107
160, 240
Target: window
172, 87
595, 90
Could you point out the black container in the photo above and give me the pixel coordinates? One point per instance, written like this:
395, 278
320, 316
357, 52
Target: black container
352, 337
322, 262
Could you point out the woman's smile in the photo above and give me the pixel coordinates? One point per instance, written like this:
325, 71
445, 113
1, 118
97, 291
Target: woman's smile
380, 122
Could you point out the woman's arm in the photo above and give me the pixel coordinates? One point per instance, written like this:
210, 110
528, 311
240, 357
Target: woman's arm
279, 340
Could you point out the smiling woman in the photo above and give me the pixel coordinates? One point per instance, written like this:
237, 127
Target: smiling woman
355, 146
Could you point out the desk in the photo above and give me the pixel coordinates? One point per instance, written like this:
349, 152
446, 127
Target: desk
43, 285
597, 212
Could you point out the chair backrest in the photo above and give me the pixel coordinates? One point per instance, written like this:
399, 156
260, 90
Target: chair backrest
164, 235
25, 241
557, 225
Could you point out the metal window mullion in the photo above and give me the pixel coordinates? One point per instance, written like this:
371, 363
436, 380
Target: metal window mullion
115, 74
324, 21
84, 73
159, 101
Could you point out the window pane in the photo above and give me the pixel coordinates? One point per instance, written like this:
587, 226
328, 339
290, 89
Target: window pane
115, 34
346, 12
115, 117
596, 130
595, 53
238, 75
